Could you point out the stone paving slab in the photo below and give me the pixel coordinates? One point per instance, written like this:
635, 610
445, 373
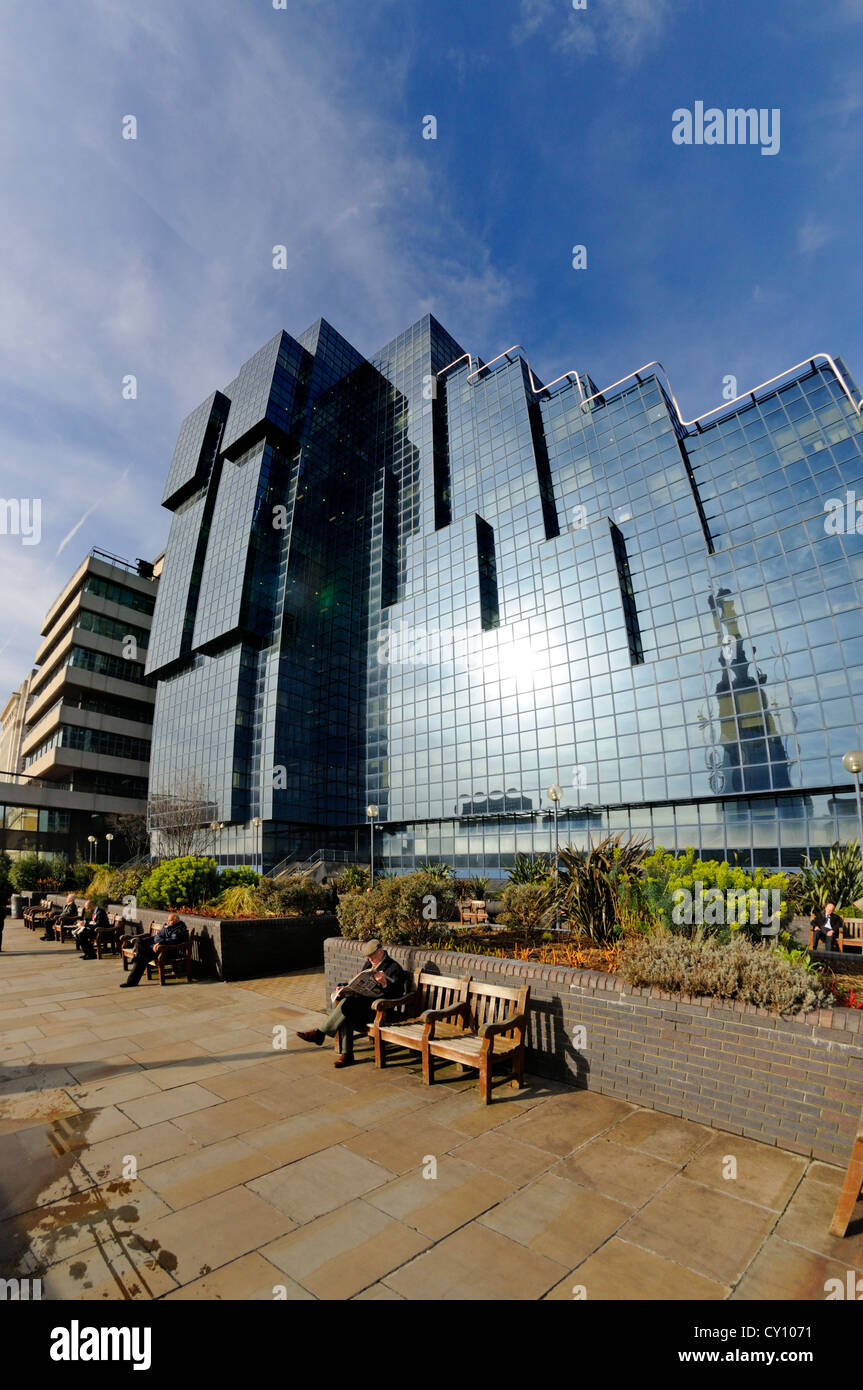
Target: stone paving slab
172, 1142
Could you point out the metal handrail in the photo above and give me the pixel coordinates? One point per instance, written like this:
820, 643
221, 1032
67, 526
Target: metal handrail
856, 406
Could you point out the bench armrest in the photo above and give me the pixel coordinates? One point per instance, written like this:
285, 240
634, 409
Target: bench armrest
431, 1017
381, 1006
436, 1015
489, 1030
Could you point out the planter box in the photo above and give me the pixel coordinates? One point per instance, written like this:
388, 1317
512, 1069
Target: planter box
233, 949
793, 1082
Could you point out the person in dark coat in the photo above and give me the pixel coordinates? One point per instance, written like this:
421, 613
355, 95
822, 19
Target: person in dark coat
174, 931
68, 915
95, 918
826, 926
381, 978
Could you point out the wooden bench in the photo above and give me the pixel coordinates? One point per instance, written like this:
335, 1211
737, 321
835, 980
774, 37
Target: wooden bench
472, 913
174, 956
488, 1028
402, 1021
852, 1188
63, 930
850, 934
109, 938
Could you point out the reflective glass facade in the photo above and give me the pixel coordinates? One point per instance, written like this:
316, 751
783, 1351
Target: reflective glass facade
440, 587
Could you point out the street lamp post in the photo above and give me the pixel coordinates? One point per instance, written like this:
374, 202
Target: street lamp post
853, 763
555, 793
91, 839
109, 838
372, 812
259, 845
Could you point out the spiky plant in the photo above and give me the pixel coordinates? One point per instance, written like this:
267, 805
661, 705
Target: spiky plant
833, 878
238, 901
434, 868
531, 868
590, 881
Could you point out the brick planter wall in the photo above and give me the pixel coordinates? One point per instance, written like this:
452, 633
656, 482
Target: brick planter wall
240, 949
794, 1082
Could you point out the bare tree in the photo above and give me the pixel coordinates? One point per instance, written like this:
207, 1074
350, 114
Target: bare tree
133, 831
180, 820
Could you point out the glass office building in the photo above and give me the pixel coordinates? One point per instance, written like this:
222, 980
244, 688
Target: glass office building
440, 586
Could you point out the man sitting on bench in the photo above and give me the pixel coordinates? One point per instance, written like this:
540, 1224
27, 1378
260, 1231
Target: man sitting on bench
826, 926
68, 915
381, 978
173, 932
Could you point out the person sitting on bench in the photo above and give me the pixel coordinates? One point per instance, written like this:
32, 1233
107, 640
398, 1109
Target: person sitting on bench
381, 978
173, 932
826, 926
95, 918
68, 915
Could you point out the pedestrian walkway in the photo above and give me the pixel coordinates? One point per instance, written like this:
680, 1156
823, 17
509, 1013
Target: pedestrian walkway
162, 1143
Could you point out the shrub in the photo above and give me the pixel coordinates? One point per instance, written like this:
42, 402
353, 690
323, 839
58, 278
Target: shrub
528, 906
478, 888
591, 881
290, 895
242, 875
398, 910
353, 879
100, 882
436, 869
126, 882
719, 894
754, 974
238, 901
832, 878
27, 871
78, 875
182, 882
530, 868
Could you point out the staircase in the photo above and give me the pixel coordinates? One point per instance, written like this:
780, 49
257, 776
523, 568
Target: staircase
316, 865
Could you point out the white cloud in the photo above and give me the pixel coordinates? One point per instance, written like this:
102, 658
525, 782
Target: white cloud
812, 236
625, 31
153, 257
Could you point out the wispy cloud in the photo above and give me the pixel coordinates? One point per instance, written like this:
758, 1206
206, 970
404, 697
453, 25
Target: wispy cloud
626, 31
158, 264
812, 236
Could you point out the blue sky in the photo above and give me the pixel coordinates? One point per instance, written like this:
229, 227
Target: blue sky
303, 126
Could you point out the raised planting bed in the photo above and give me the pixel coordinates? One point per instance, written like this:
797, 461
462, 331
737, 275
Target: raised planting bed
243, 948
794, 1082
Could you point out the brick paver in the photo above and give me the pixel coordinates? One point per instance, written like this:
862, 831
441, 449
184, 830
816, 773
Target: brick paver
158, 1143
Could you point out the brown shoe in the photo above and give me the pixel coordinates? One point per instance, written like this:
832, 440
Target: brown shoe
343, 1061
313, 1035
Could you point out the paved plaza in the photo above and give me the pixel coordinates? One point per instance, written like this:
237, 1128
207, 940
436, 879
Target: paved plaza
156, 1144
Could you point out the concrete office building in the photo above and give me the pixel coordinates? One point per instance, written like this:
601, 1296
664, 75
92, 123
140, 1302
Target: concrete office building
76, 735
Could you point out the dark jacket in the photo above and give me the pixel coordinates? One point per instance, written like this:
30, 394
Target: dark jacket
359, 1008
396, 984
171, 935
819, 919
99, 920
68, 912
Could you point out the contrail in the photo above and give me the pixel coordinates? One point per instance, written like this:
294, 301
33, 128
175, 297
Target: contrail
77, 527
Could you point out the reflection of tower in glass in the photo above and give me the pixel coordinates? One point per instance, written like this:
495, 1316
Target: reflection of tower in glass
749, 748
